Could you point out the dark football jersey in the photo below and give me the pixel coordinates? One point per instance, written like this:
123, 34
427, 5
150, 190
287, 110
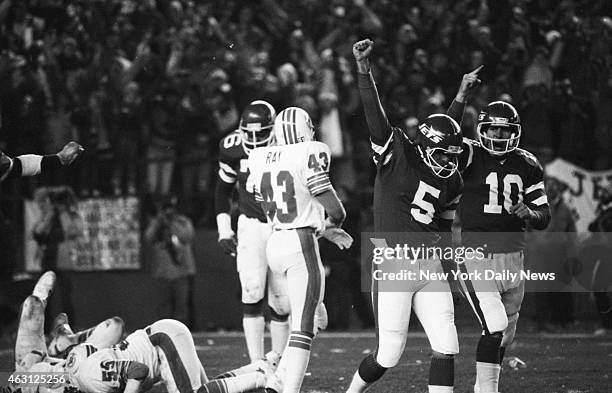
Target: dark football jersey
6, 164
408, 196
233, 169
491, 186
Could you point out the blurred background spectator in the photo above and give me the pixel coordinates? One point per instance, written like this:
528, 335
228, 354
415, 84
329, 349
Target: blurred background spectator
173, 264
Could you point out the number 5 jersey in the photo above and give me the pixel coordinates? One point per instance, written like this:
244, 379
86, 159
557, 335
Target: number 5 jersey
287, 179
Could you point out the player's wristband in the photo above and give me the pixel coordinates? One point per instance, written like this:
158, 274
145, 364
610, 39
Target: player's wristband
30, 164
224, 226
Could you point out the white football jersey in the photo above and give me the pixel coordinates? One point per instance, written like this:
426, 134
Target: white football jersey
105, 370
287, 179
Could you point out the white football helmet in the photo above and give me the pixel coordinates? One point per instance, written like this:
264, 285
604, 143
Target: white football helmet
293, 125
77, 355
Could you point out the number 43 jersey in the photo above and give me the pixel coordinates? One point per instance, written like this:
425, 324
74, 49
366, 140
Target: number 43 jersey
287, 179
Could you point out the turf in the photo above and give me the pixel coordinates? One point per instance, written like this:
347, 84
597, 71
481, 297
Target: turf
562, 363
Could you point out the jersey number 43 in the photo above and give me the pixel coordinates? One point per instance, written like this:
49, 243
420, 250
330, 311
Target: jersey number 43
283, 183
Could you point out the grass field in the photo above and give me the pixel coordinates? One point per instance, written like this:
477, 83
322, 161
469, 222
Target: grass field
556, 363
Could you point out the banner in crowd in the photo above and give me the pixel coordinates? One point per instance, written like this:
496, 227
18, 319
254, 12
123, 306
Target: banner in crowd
584, 191
87, 235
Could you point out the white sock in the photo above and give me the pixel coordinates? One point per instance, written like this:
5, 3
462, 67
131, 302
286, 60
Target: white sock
357, 385
280, 334
254, 334
440, 389
294, 362
238, 384
487, 376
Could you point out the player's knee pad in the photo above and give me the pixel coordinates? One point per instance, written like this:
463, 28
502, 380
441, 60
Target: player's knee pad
251, 310
510, 330
253, 286
390, 347
494, 315
278, 317
279, 305
370, 370
487, 350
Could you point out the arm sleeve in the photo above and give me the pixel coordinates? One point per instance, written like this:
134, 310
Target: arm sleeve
455, 110
379, 127
223, 192
447, 215
535, 198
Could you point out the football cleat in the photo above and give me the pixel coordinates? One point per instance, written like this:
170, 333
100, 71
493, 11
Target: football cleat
293, 125
44, 286
501, 116
439, 143
321, 318
273, 358
256, 124
273, 383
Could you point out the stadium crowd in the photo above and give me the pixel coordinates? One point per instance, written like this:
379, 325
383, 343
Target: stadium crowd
165, 80
150, 87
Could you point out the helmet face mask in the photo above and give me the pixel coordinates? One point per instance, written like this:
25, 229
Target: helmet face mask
499, 128
256, 124
439, 144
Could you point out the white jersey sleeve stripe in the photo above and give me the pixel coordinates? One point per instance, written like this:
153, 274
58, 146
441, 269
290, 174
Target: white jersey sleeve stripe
226, 178
543, 200
378, 149
537, 186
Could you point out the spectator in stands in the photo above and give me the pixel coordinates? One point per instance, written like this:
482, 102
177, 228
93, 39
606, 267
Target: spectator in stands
171, 235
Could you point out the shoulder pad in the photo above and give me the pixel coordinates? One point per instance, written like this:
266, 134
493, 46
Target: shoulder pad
528, 157
230, 147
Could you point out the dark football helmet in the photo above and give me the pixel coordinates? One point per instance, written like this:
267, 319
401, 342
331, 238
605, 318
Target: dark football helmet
439, 142
256, 125
501, 116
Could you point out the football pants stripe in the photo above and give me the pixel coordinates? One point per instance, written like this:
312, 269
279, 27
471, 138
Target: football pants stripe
313, 289
473, 299
181, 378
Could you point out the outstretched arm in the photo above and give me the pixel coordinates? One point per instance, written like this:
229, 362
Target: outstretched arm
469, 83
378, 124
33, 164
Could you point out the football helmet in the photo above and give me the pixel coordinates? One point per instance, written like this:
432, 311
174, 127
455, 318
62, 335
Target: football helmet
439, 143
77, 354
256, 125
293, 125
499, 114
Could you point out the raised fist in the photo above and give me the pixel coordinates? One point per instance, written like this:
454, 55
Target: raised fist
70, 152
362, 49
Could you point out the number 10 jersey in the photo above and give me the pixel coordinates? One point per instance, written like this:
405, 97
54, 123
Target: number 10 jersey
287, 179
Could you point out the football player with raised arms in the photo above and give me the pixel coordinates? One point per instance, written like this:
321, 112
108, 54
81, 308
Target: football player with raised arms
291, 181
503, 192
249, 248
416, 191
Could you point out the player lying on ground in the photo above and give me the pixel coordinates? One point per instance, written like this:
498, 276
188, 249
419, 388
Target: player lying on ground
162, 352
172, 336
33, 164
30, 345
